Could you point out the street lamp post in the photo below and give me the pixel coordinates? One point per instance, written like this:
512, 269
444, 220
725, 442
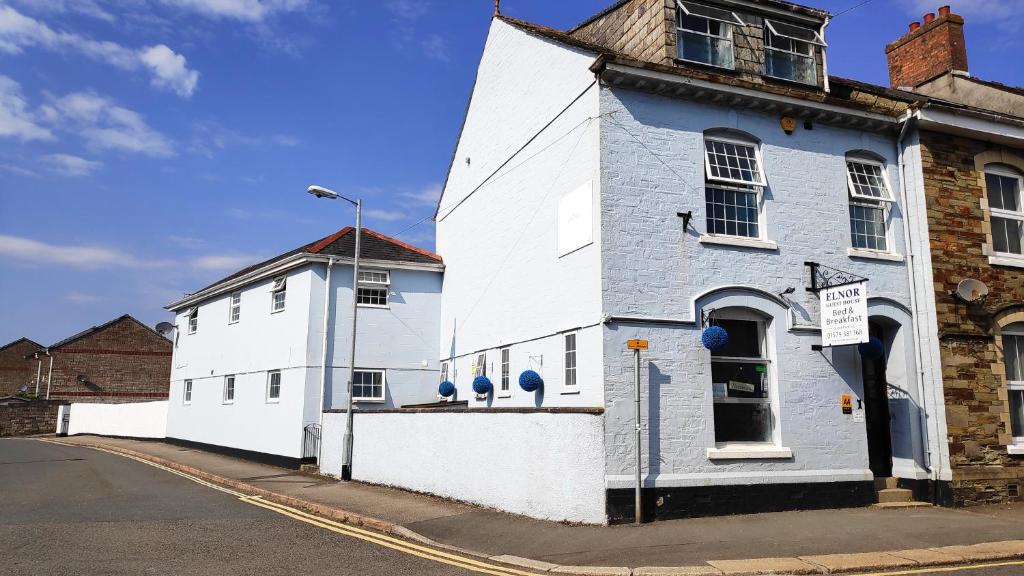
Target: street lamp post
346, 460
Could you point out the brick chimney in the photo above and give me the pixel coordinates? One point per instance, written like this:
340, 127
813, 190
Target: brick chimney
928, 50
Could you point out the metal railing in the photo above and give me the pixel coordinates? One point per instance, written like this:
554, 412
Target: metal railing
310, 441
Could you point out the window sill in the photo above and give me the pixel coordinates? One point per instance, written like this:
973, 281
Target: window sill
505, 395
574, 390
276, 311
873, 254
1015, 450
1010, 260
273, 401
368, 400
739, 241
228, 402
748, 452
372, 306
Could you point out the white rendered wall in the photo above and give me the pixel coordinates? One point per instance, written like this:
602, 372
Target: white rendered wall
505, 283
542, 465
132, 420
259, 342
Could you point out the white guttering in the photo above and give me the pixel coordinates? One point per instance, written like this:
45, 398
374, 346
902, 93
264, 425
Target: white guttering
983, 126
824, 55
675, 79
323, 356
916, 319
288, 263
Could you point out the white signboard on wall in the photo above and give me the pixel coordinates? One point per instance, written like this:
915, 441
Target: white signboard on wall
576, 219
844, 314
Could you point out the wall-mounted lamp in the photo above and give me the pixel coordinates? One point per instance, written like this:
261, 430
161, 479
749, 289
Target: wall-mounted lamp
686, 216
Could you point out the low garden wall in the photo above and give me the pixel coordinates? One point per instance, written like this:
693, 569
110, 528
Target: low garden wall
28, 418
131, 420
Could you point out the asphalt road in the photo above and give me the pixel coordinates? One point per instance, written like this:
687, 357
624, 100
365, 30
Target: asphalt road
67, 510
72, 510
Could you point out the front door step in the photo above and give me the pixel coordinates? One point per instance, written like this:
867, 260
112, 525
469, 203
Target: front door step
891, 496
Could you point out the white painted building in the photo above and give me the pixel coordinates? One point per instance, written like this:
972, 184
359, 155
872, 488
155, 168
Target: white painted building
253, 352
604, 189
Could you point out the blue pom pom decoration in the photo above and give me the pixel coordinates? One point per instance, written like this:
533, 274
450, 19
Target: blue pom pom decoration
873, 349
530, 381
714, 338
446, 389
482, 385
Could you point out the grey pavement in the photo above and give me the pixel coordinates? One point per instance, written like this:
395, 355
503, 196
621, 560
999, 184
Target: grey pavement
665, 543
69, 510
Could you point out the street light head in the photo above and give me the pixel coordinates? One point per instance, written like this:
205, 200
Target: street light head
321, 192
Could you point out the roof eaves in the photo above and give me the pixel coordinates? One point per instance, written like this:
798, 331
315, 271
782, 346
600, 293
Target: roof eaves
19, 341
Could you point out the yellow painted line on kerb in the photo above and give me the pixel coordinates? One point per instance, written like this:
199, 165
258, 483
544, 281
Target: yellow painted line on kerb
377, 538
964, 568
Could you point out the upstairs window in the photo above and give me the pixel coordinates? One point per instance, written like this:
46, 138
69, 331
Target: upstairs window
1013, 359
235, 307
570, 360
274, 386
444, 371
187, 392
734, 179
506, 386
789, 52
229, 389
278, 291
374, 287
193, 319
1006, 202
480, 368
740, 385
870, 197
704, 34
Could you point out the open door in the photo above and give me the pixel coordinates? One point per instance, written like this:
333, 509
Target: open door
876, 411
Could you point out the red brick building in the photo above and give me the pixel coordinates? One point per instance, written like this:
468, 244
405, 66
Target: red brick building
16, 369
964, 165
120, 361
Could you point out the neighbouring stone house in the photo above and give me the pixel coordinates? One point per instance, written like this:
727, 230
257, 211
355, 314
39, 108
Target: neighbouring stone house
964, 159
16, 369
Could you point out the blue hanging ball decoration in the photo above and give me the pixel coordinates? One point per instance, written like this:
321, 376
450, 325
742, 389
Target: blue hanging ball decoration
873, 349
482, 385
714, 338
530, 381
446, 389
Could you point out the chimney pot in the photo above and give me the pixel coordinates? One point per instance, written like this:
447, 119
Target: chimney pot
944, 11
914, 26
929, 17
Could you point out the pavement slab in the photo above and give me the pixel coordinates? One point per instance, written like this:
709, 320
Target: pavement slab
860, 561
524, 562
926, 557
757, 566
593, 570
986, 551
676, 571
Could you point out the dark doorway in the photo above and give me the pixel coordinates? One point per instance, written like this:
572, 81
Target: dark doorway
876, 408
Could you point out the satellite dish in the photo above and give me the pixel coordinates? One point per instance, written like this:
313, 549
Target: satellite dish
971, 290
164, 327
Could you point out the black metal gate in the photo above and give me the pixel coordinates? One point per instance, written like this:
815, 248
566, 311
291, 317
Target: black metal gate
310, 441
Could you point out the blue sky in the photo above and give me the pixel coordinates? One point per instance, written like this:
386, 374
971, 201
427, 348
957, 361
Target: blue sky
148, 147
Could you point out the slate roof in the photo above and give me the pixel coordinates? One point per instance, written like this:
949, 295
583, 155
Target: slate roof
99, 327
374, 246
19, 341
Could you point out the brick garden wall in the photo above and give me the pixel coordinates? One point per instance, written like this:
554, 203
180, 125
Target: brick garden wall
15, 369
977, 409
124, 362
37, 417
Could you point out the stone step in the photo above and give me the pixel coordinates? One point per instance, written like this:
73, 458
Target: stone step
902, 505
309, 469
891, 495
885, 483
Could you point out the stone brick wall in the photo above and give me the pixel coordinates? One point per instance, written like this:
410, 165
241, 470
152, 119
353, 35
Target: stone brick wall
37, 417
643, 29
977, 409
15, 369
123, 362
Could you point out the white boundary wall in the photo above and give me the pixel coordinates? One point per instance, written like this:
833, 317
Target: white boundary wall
539, 464
134, 420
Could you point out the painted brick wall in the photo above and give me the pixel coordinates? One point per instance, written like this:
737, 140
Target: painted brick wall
123, 362
973, 374
15, 369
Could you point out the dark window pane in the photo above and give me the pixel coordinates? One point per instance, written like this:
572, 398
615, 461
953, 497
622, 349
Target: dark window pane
743, 422
744, 341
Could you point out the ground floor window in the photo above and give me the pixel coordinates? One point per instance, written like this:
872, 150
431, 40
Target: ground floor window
570, 360
187, 397
368, 385
1013, 359
229, 389
273, 386
506, 385
740, 381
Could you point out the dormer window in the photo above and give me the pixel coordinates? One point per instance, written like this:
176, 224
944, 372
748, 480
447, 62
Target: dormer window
704, 34
789, 52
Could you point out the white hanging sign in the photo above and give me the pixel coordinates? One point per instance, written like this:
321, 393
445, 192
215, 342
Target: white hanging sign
844, 314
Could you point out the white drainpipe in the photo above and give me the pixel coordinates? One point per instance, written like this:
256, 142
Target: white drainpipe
323, 359
49, 375
39, 372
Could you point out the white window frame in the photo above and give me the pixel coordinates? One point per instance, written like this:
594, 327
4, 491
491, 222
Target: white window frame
764, 334
383, 385
684, 9
480, 368
192, 319
761, 180
444, 371
999, 170
186, 392
505, 383
374, 285
880, 203
1013, 385
570, 373
235, 307
279, 286
886, 187
270, 380
769, 28
229, 385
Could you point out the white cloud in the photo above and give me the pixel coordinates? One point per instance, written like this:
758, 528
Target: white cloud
168, 69
70, 165
244, 10
209, 138
427, 196
85, 7
106, 126
81, 298
87, 257
223, 262
1004, 14
187, 242
386, 215
436, 47
16, 120
410, 10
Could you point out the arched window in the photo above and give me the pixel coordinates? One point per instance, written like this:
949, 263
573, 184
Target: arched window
870, 197
1006, 203
734, 180
741, 379
1013, 359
